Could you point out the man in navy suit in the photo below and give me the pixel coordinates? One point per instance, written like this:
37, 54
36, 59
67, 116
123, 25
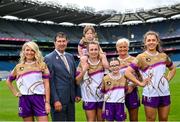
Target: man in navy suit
62, 80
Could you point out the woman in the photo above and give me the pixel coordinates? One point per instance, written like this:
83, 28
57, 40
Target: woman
32, 79
91, 75
132, 99
152, 63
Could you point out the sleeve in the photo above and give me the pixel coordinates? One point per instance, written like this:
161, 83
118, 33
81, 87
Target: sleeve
53, 92
12, 76
169, 63
136, 63
81, 43
46, 73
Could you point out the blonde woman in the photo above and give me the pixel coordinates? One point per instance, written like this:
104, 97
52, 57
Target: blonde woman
90, 77
32, 79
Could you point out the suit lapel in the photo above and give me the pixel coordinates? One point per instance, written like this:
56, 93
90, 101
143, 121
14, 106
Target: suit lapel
59, 60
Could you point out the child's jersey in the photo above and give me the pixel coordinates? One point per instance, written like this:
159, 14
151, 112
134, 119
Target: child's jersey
113, 89
29, 78
90, 86
153, 66
83, 44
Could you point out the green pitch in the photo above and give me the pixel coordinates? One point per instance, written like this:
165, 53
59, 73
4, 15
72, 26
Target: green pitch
9, 103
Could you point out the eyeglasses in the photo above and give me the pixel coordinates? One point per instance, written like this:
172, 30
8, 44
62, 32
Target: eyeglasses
115, 65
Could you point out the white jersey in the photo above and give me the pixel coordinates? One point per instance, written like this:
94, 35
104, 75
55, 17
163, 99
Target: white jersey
90, 86
113, 89
153, 66
29, 78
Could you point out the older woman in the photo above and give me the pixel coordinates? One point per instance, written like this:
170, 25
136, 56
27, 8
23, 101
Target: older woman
132, 99
90, 76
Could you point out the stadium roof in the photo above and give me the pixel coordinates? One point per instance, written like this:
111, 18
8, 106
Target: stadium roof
41, 11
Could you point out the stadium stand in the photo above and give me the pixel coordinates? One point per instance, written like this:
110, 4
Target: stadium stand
13, 33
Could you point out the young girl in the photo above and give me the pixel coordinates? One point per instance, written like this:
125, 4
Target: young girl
89, 77
113, 87
132, 99
32, 79
152, 63
89, 35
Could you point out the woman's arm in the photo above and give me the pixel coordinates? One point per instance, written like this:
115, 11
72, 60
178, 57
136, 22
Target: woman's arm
47, 95
104, 60
12, 88
129, 74
81, 71
171, 73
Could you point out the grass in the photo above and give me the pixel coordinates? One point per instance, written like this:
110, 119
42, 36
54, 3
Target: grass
9, 103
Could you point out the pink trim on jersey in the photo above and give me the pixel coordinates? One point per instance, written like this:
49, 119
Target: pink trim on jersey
77, 73
114, 88
169, 64
99, 71
124, 67
153, 65
134, 66
31, 72
11, 78
46, 76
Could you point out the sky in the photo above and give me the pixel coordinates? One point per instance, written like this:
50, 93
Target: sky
118, 5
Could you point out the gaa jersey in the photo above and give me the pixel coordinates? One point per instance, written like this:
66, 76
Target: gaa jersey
113, 89
153, 66
90, 86
124, 63
83, 44
29, 78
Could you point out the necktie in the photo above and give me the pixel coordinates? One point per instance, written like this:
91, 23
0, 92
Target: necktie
65, 62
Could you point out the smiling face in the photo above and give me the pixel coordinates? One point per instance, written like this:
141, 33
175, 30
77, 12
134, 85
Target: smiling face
29, 54
114, 66
93, 50
122, 49
151, 42
60, 44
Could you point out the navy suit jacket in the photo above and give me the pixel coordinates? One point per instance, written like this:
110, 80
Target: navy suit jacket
62, 82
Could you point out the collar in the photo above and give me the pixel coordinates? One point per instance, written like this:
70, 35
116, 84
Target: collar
60, 54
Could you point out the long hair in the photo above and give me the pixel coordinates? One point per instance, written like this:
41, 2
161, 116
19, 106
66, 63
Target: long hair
38, 58
158, 48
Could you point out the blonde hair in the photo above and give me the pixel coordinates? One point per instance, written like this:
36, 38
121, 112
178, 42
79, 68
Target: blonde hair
122, 40
38, 55
88, 27
158, 48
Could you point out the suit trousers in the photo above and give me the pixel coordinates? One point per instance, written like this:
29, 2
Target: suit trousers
66, 114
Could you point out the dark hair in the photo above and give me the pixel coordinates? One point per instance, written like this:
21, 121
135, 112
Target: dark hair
158, 48
114, 59
61, 35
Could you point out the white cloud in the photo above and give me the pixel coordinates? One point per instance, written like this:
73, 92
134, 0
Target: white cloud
119, 5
